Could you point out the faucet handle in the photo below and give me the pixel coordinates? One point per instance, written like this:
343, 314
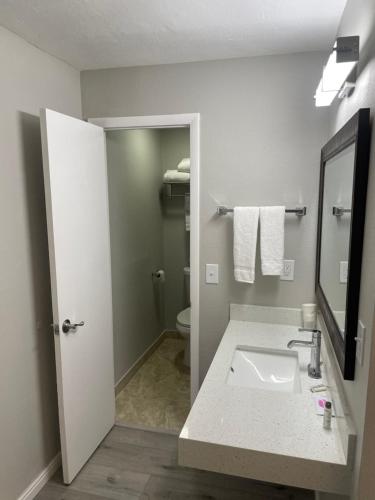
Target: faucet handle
316, 334
312, 330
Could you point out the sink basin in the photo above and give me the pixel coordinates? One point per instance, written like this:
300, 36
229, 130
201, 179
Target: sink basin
268, 369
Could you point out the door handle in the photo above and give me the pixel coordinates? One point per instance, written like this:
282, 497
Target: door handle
67, 326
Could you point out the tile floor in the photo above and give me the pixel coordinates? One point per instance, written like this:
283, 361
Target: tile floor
158, 395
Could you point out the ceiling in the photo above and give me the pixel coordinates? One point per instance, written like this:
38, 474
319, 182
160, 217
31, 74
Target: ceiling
92, 34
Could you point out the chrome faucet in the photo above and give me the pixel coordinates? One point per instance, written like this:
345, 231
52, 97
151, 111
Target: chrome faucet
313, 368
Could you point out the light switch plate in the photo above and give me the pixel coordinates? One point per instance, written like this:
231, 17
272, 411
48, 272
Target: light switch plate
287, 273
212, 274
360, 339
343, 271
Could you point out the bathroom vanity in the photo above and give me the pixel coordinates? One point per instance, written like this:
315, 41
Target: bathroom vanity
255, 414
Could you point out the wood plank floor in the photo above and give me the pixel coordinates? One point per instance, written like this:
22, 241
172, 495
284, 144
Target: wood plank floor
133, 464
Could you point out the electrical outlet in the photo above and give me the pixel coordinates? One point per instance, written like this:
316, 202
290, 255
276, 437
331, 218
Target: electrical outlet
343, 271
360, 339
287, 273
212, 274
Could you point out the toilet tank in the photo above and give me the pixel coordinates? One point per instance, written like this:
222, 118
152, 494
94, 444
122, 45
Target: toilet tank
187, 284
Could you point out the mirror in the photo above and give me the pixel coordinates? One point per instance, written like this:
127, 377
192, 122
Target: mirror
342, 204
336, 220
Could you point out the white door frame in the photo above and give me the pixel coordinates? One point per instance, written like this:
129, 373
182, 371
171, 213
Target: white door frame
190, 120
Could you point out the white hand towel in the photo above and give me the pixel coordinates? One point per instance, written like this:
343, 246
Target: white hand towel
184, 165
245, 226
272, 239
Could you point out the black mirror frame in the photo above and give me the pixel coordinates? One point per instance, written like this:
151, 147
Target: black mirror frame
356, 131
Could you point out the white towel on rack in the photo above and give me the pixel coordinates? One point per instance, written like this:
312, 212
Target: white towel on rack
245, 229
272, 239
175, 176
184, 165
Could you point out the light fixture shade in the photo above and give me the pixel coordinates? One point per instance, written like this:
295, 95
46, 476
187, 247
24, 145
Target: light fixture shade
324, 98
335, 73
340, 64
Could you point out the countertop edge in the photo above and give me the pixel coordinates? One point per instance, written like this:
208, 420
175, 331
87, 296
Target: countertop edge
264, 466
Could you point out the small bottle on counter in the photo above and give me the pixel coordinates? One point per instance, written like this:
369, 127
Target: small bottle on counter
327, 416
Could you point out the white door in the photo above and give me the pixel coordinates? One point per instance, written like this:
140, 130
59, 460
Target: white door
75, 177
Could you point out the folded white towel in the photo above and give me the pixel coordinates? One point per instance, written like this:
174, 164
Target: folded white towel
245, 226
272, 239
175, 176
184, 165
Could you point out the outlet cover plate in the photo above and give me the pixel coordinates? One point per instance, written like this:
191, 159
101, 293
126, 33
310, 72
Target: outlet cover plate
287, 273
212, 274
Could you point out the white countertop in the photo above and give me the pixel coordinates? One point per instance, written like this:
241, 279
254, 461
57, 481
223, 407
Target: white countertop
244, 419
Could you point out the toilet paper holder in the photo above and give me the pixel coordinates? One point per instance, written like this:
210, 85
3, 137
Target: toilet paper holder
159, 275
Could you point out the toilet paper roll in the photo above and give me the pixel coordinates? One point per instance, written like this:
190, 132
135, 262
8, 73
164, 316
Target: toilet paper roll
159, 275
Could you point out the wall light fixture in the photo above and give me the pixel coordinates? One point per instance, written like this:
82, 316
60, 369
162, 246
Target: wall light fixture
340, 64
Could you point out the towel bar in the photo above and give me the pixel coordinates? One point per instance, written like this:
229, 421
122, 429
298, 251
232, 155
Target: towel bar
339, 211
300, 211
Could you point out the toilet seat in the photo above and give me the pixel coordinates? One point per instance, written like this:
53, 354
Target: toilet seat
184, 318
183, 326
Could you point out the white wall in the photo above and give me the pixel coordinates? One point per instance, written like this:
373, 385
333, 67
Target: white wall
261, 137
359, 19
29, 437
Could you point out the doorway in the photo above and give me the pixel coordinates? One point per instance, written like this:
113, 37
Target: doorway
149, 215
192, 123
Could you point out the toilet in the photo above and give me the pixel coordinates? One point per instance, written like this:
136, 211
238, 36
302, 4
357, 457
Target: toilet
183, 319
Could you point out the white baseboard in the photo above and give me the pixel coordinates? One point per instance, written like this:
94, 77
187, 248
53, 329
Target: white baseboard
42, 479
